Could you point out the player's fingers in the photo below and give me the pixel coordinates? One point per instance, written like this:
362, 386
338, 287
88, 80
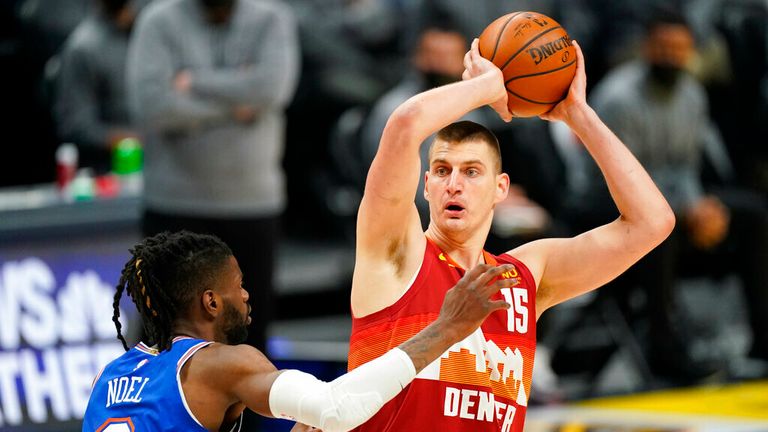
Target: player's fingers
491, 289
468, 60
503, 110
474, 51
579, 54
580, 70
498, 305
476, 272
491, 274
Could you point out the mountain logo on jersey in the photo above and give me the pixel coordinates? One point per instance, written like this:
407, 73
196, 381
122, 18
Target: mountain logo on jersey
502, 370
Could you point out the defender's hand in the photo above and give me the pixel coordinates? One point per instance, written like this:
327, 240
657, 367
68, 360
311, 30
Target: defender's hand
468, 303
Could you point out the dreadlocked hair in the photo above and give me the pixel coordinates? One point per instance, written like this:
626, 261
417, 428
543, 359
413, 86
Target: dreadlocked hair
164, 275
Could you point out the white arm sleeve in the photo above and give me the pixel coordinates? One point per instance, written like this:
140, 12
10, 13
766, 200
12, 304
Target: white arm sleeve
346, 402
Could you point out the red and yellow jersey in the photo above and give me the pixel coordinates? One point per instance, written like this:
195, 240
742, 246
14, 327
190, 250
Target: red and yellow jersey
481, 383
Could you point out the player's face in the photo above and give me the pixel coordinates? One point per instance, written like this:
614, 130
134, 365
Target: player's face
233, 324
462, 186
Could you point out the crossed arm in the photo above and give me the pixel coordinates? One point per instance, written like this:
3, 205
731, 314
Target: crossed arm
212, 95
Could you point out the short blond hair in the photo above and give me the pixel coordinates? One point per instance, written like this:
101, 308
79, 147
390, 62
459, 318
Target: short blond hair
466, 131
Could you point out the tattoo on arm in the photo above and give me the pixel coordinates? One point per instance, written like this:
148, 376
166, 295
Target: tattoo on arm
426, 346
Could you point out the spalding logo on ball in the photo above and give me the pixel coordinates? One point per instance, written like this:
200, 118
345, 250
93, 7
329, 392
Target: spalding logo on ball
536, 57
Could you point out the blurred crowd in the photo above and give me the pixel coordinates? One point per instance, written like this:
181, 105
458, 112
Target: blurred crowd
260, 117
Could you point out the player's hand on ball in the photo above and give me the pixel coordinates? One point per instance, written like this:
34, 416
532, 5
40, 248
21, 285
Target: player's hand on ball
577, 92
476, 65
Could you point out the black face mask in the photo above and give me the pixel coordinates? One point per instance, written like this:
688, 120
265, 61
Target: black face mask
218, 12
665, 75
212, 4
436, 79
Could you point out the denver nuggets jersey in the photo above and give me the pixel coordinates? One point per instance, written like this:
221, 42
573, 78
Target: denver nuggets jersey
480, 384
140, 391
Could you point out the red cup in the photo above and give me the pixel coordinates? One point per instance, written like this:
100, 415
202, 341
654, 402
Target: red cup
66, 164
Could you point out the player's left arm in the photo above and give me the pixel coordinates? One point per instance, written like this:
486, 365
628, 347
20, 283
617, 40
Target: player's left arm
566, 268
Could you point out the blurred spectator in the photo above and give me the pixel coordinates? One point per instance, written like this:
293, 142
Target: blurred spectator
350, 48
661, 113
208, 82
469, 17
91, 106
46, 24
609, 32
731, 61
351, 55
32, 31
437, 59
736, 98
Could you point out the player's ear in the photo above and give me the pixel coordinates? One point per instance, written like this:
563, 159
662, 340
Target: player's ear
502, 187
426, 182
210, 303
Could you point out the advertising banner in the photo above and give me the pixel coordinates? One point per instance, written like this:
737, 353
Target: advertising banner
56, 329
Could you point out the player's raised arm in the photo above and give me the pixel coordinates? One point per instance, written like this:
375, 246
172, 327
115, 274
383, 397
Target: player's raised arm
387, 212
569, 267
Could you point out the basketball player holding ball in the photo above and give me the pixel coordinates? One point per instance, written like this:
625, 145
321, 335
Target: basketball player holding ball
402, 273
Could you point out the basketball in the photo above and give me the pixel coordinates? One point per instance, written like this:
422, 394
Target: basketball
536, 57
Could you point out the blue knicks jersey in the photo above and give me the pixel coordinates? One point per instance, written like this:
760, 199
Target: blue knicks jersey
140, 391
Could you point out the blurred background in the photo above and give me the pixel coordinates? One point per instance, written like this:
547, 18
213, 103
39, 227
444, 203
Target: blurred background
256, 120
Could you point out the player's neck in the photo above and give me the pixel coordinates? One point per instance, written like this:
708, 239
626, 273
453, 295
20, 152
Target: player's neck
188, 328
467, 253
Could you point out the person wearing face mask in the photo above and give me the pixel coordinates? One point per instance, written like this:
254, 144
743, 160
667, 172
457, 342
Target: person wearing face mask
661, 112
436, 60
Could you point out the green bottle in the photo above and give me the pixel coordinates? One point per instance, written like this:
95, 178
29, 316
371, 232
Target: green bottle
127, 157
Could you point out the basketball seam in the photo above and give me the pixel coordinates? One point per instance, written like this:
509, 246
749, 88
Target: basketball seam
526, 45
501, 33
540, 73
530, 100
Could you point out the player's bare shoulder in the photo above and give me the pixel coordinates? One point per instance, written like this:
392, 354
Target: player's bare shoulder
534, 255
232, 360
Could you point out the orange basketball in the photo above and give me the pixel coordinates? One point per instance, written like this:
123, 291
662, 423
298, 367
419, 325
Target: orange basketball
536, 57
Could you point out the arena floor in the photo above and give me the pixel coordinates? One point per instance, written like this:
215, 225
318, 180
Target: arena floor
722, 408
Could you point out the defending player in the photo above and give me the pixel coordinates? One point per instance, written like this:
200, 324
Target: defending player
189, 377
